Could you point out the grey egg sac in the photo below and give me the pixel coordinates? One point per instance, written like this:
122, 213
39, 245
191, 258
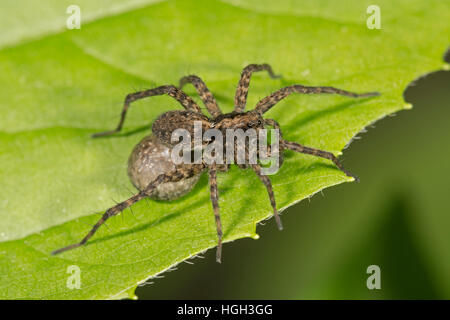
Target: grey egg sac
149, 159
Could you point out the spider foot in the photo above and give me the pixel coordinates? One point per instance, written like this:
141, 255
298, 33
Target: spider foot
278, 220
103, 134
219, 251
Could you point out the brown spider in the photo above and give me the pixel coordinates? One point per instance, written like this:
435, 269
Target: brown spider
169, 121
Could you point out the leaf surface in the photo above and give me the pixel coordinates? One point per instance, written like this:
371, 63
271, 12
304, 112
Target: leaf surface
60, 88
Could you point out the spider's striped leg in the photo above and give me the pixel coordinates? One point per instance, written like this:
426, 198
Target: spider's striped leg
279, 152
274, 124
268, 102
206, 95
109, 213
240, 98
179, 174
266, 181
318, 153
215, 203
170, 90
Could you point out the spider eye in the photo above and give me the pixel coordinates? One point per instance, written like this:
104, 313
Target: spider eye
256, 123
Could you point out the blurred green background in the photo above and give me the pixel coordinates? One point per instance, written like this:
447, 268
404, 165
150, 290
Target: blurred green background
397, 217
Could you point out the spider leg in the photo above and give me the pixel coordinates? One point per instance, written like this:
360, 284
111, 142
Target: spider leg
318, 153
204, 93
175, 176
240, 98
170, 90
109, 213
275, 125
266, 181
215, 203
268, 102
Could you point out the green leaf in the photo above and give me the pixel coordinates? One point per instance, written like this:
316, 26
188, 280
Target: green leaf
60, 88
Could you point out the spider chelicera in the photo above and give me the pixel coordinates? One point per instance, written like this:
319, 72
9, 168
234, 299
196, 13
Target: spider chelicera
163, 127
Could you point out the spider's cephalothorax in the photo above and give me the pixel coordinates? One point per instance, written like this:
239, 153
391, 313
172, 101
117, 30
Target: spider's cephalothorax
181, 177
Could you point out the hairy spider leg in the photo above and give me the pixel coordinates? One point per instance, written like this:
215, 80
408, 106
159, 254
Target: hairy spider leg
214, 194
204, 93
266, 181
170, 90
275, 125
118, 208
109, 213
318, 153
268, 102
240, 98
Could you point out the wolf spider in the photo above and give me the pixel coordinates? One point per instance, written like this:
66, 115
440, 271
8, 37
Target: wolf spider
169, 121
